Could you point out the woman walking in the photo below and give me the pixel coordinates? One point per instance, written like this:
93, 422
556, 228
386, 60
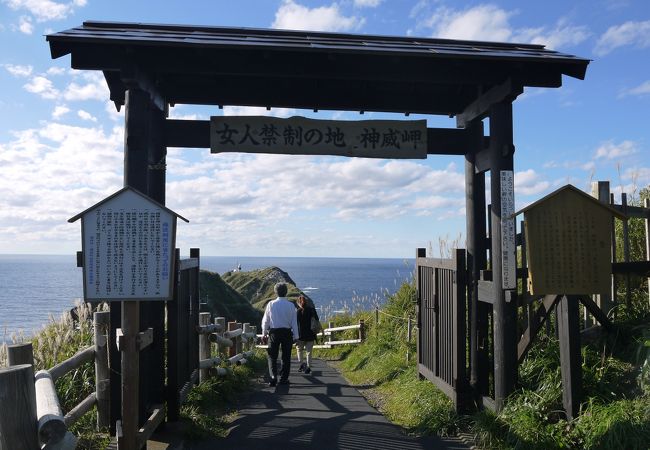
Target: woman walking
306, 333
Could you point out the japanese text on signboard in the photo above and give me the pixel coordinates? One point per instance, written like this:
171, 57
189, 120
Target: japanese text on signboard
299, 135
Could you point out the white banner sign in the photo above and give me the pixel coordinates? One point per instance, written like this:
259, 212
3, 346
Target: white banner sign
128, 249
299, 135
508, 231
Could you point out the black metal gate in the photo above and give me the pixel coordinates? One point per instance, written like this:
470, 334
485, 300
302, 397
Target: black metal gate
442, 323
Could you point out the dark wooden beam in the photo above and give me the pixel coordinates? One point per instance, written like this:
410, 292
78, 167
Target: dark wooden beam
640, 268
598, 313
196, 134
479, 108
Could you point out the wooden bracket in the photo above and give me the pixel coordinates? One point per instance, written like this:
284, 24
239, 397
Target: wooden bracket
506, 91
548, 303
154, 420
142, 340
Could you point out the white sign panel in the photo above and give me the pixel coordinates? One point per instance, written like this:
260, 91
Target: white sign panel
299, 135
128, 243
508, 231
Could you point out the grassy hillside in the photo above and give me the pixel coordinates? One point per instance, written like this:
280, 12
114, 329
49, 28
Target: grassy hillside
224, 301
257, 285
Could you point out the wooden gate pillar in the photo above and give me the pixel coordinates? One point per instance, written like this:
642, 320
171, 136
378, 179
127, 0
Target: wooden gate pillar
505, 303
476, 260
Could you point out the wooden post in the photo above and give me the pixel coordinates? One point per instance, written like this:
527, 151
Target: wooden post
646, 204
130, 375
600, 190
232, 351
247, 329
102, 373
18, 400
612, 203
362, 330
330, 325
173, 357
626, 249
476, 260
221, 322
239, 340
18, 354
419, 253
204, 345
504, 309
570, 358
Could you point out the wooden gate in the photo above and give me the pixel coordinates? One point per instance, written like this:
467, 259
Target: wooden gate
442, 323
182, 337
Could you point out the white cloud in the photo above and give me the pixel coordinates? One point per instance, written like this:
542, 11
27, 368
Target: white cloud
488, 22
55, 71
367, 3
640, 90
611, 150
43, 87
528, 182
19, 70
563, 34
94, 89
52, 173
25, 25
85, 115
629, 33
44, 10
293, 16
482, 22
257, 111
59, 111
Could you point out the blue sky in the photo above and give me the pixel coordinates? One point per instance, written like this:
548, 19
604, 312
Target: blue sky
61, 141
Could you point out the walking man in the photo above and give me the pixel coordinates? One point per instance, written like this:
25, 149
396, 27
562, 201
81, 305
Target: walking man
280, 328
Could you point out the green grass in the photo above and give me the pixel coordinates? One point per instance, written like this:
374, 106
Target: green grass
615, 413
210, 405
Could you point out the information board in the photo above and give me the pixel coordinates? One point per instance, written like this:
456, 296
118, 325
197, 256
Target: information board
508, 231
128, 242
299, 135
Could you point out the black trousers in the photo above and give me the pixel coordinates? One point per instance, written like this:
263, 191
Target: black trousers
280, 338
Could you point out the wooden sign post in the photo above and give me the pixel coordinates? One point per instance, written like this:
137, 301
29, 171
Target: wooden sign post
128, 243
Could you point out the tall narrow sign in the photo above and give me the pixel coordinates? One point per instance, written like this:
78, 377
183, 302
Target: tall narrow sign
128, 246
302, 136
508, 231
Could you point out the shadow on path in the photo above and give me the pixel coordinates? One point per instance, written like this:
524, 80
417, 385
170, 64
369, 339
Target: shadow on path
316, 411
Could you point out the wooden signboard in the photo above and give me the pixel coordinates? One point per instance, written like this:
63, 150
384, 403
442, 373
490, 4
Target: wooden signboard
568, 237
128, 243
302, 136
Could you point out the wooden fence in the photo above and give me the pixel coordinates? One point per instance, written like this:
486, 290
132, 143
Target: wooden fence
443, 322
191, 358
39, 420
328, 333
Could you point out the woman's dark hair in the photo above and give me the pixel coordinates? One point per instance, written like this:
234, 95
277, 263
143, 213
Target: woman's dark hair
301, 301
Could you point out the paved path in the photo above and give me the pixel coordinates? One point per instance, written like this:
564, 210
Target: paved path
316, 411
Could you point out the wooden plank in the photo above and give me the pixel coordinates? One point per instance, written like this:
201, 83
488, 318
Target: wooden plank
18, 395
570, 357
486, 291
155, 419
204, 344
196, 134
626, 249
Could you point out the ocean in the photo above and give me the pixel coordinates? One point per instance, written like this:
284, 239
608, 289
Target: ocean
33, 287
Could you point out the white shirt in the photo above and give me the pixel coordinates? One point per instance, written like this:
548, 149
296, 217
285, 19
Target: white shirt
280, 313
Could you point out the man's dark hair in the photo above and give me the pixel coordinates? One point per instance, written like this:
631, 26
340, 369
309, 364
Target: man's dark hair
281, 289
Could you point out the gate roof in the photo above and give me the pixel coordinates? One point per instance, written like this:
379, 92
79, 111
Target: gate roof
304, 69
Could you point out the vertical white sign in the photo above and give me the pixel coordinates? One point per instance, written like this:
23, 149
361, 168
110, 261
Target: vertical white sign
508, 231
